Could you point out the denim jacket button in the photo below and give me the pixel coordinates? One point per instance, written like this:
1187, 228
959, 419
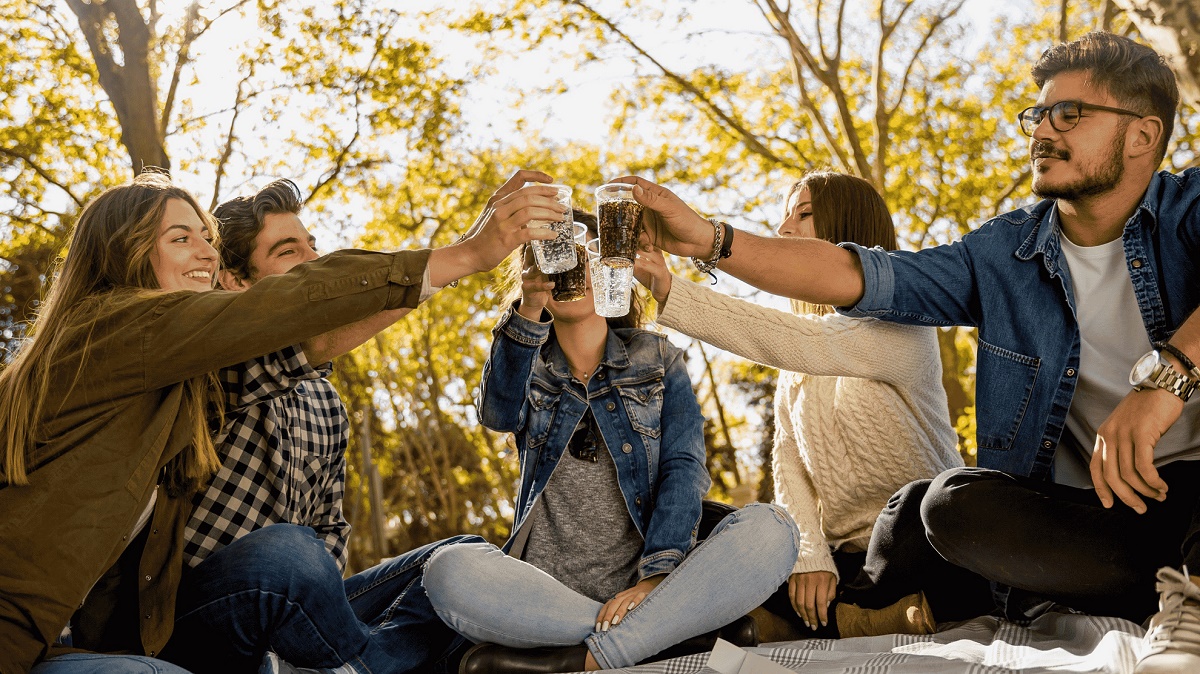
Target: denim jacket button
1137, 264
627, 448
600, 375
638, 500
1047, 444
610, 406
1070, 372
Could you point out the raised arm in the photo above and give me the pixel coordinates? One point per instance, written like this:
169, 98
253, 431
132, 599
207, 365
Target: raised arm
504, 388
832, 345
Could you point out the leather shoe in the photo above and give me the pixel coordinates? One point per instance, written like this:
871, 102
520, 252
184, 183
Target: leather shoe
497, 659
742, 633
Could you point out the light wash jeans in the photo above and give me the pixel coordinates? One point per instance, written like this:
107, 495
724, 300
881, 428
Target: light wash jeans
95, 663
488, 596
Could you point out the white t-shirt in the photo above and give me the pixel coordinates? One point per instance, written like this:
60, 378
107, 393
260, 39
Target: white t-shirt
1112, 338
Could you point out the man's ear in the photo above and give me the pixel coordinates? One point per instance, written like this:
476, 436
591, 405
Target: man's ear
231, 281
1146, 135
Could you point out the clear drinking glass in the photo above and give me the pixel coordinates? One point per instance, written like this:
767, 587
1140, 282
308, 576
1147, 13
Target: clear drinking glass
620, 217
612, 286
558, 254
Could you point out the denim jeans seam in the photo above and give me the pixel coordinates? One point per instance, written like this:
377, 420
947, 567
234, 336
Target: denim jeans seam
380, 581
391, 610
289, 602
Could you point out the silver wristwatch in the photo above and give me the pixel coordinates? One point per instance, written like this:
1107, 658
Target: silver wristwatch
1153, 371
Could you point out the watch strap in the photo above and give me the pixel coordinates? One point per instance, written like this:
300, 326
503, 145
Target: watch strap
1193, 371
1169, 379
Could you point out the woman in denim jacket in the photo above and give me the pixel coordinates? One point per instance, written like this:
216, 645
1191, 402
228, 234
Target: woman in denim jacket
611, 445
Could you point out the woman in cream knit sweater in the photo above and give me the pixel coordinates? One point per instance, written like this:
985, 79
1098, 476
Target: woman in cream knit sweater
860, 410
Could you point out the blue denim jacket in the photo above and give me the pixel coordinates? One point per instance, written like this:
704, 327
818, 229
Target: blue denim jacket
1007, 278
645, 409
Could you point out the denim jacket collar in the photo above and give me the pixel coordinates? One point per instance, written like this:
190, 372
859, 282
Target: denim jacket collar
615, 356
1043, 238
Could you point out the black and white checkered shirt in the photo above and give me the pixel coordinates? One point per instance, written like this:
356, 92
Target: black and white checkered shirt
283, 457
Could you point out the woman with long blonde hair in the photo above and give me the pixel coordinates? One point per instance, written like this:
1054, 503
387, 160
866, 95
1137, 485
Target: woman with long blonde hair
106, 407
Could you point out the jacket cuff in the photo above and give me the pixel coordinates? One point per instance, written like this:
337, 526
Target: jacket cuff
407, 276
522, 330
820, 560
682, 296
879, 282
659, 563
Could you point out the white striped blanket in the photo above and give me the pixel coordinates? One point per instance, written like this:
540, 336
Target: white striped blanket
1055, 642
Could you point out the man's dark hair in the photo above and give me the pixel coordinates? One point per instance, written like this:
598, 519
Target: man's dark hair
1132, 73
241, 220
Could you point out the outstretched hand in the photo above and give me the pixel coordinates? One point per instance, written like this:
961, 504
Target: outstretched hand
1123, 458
503, 224
670, 223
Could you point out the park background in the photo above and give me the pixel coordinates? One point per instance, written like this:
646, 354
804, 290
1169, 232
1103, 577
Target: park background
399, 118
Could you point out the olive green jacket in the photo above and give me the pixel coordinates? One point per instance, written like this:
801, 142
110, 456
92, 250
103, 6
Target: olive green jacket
113, 418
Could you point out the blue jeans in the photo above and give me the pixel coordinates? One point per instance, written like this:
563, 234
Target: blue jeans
488, 596
94, 663
278, 588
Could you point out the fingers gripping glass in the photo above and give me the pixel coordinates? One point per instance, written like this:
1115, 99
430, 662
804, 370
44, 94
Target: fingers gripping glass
1064, 115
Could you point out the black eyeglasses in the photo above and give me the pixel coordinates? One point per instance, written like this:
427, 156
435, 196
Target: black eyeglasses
1064, 115
583, 443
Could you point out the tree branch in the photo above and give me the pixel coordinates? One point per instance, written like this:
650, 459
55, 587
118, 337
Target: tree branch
751, 140
227, 151
43, 173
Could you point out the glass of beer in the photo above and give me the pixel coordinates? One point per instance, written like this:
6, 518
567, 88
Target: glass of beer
571, 285
558, 254
620, 217
612, 286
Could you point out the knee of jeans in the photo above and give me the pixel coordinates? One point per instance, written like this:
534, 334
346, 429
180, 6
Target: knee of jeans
951, 510
451, 573
289, 550
773, 526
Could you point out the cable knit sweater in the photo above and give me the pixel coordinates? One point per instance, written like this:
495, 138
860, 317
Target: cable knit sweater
859, 410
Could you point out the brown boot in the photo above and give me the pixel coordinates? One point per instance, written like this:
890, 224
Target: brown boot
910, 615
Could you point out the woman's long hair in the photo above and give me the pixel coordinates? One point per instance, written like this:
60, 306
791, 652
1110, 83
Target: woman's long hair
635, 318
107, 262
844, 208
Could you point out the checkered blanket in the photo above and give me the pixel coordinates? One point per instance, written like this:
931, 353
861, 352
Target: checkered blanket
1055, 642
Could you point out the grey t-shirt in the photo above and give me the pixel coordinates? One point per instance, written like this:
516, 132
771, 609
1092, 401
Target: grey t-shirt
580, 529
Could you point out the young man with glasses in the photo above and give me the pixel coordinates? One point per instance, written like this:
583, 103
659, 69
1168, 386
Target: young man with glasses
1085, 304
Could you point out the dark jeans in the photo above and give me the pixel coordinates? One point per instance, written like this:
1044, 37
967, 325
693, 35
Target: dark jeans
969, 528
278, 588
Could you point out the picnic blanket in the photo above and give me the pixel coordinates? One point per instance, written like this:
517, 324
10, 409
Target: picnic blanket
1054, 642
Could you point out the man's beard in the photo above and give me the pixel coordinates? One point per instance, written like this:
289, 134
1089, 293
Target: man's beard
1100, 180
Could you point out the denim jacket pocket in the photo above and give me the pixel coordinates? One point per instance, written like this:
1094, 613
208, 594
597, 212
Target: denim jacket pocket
1007, 379
644, 405
543, 403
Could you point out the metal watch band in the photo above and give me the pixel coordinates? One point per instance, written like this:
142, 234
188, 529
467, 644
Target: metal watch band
1181, 385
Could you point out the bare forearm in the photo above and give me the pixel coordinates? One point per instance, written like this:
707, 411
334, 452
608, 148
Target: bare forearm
450, 263
811, 270
1187, 340
324, 348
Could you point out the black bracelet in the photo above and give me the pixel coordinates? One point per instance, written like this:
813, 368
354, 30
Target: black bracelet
727, 245
1175, 351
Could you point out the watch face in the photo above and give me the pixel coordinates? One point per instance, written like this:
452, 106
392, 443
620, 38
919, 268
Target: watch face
1143, 369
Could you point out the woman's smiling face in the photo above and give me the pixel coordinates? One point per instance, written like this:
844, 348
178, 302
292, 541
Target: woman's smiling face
183, 257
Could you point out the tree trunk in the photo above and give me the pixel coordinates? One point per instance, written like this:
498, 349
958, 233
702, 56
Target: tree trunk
1172, 27
130, 85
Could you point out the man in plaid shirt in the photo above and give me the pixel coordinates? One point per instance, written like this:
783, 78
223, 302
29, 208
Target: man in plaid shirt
265, 547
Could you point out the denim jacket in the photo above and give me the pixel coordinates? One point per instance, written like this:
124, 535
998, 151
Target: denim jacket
1008, 279
645, 409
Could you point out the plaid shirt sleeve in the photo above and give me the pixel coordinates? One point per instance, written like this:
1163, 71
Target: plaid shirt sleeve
329, 522
260, 379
